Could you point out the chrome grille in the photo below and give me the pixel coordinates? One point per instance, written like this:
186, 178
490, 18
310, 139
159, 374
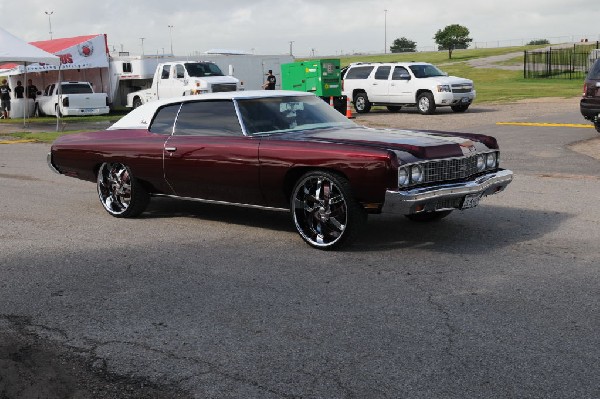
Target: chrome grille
449, 169
462, 88
220, 87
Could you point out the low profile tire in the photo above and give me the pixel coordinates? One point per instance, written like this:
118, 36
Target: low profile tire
459, 108
120, 193
137, 102
394, 108
362, 105
324, 212
428, 216
426, 103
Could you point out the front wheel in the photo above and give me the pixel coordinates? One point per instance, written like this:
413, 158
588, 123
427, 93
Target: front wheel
121, 194
362, 105
426, 103
137, 102
324, 212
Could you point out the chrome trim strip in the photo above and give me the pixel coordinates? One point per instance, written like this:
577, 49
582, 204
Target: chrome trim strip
404, 201
216, 202
50, 164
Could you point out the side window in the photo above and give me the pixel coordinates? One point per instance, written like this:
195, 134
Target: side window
383, 72
595, 70
179, 71
165, 72
359, 72
165, 119
208, 118
400, 73
127, 67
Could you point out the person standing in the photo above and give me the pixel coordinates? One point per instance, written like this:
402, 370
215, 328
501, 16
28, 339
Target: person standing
5, 99
31, 90
19, 90
271, 81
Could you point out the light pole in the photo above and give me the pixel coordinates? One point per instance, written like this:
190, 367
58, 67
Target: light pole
48, 13
291, 43
142, 39
171, 37
384, 31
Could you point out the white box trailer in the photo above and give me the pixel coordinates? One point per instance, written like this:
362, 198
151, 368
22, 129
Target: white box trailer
130, 73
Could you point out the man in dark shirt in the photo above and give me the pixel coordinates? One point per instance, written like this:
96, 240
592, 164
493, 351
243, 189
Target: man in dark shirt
5, 99
31, 89
19, 90
271, 80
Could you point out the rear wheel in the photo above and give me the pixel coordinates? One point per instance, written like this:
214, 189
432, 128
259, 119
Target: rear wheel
393, 108
428, 216
362, 105
426, 103
121, 194
324, 212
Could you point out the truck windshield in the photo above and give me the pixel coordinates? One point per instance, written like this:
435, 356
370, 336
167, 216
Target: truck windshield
76, 88
201, 69
425, 71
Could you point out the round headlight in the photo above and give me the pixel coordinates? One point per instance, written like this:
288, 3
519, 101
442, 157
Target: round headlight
490, 161
402, 177
416, 174
480, 162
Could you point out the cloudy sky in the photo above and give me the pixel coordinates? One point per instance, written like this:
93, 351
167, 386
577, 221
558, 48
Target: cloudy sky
319, 27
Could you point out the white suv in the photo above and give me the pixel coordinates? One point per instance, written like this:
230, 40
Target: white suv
395, 84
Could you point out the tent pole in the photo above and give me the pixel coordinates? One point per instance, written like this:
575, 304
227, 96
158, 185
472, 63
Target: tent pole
25, 108
59, 97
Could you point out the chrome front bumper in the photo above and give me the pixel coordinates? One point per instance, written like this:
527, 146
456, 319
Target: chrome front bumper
444, 196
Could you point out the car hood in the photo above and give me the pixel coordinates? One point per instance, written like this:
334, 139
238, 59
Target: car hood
446, 80
422, 144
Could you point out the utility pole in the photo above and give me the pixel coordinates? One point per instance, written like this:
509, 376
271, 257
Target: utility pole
171, 37
48, 13
384, 31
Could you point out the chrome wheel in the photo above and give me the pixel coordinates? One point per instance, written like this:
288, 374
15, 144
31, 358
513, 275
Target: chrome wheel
324, 213
362, 105
119, 193
426, 104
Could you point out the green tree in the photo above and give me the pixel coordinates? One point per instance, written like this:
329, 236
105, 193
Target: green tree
538, 41
403, 45
452, 37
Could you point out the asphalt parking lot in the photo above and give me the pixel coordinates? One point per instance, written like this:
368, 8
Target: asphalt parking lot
202, 301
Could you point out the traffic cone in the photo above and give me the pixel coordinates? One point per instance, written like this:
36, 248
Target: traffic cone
331, 100
348, 108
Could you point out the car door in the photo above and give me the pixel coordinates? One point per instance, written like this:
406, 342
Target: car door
209, 157
379, 91
401, 91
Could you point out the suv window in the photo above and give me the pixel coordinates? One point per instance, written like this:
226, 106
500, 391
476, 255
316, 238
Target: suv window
360, 72
595, 71
400, 73
383, 72
425, 71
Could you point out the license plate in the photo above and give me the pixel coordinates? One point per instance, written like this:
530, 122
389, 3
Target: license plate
471, 201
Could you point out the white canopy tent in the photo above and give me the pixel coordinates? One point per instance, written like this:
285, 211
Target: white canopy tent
15, 50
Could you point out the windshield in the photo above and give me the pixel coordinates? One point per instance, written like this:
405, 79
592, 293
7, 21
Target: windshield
201, 69
425, 71
288, 114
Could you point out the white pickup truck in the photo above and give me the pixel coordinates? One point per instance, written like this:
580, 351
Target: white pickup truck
183, 78
71, 99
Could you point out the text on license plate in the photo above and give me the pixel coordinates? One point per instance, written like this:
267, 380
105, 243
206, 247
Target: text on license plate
471, 201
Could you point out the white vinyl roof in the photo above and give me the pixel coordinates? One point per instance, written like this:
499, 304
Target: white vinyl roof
13, 49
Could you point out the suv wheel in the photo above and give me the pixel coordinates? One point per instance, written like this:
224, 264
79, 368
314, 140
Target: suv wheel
425, 103
362, 105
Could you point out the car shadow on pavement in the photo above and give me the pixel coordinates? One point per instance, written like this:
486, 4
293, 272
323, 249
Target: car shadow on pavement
475, 231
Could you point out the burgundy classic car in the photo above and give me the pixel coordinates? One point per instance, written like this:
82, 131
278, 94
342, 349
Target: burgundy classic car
283, 151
